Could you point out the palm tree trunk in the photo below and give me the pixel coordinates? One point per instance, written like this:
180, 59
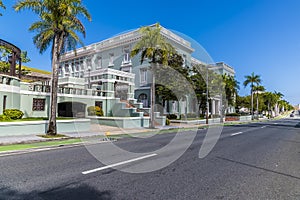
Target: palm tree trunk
52, 129
252, 103
257, 103
152, 120
268, 110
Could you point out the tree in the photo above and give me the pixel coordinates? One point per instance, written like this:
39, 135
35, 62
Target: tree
252, 79
270, 99
257, 89
58, 26
4, 63
278, 97
171, 86
231, 88
1, 6
157, 50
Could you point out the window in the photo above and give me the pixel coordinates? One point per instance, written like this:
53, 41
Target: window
98, 103
126, 58
98, 62
111, 59
143, 76
77, 66
38, 104
66, 68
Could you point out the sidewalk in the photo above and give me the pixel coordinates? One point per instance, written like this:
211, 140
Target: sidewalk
96, 130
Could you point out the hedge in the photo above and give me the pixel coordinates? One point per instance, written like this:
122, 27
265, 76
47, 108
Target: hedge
13, 114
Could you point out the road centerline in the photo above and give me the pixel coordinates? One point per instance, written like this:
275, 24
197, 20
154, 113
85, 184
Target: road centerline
118, 164
238, 133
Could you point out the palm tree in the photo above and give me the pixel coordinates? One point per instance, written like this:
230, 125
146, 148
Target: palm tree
271, 100
1, 6
252, 79
157, 50
58, 26
231, 88
257, 89
278, 96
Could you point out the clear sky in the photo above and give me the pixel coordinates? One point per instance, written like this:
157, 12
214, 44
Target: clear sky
260, 36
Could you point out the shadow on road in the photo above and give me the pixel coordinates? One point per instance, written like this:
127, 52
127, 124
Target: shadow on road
71, 192
291, 123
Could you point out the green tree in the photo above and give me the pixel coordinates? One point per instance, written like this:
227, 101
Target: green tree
231, 88
172, 84
153, 47
199, 86
270, 101
5, 65
58, 26
1, 6
252, 79
278, 96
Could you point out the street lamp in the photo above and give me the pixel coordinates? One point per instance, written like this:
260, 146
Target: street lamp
207, 103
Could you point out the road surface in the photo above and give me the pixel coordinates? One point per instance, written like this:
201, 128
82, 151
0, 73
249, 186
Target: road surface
251, 161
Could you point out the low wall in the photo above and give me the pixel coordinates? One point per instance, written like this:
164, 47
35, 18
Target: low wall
195, 122
122, 122
40, 127
238, 118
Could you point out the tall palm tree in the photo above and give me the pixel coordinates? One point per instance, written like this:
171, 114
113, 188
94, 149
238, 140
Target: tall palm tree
157, 50
258, 89
58, 26
252, 79
278, 97
1, 6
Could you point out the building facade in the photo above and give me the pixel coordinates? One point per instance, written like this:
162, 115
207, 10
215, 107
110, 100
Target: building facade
102, 74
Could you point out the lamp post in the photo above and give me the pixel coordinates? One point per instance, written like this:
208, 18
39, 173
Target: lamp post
207, 103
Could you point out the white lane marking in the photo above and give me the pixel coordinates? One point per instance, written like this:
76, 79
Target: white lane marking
117, 164
263, 127
275, 123
233, 134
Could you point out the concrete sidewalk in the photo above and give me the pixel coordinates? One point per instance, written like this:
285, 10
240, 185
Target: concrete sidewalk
96, 130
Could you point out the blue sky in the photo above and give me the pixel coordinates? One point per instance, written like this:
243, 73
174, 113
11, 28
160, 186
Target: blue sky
260, 36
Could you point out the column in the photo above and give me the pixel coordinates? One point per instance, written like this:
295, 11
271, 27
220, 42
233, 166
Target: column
213, 107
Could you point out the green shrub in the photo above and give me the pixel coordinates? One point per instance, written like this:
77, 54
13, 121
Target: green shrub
98, 111
172, 116
94, 110
191, 115
233, 114
91, 110
167, 121
4, 118
13, 113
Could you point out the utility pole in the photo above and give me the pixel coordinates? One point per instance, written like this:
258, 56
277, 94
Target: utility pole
207, 103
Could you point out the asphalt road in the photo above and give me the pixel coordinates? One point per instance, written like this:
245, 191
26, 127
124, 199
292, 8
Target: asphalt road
252, 161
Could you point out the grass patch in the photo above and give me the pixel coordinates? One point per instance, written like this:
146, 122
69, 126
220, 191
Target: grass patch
38, 144
52, 136
36, 119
